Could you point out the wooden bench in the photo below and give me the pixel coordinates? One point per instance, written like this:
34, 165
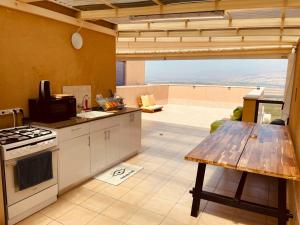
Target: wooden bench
248, 147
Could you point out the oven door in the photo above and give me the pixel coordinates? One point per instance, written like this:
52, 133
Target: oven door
14, 194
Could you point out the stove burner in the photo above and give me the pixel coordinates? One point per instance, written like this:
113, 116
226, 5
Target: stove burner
11, 140
8, 136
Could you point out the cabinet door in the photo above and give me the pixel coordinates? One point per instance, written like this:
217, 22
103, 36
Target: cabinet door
74, 161
112, 145
130, 134
135, 131
125, 136
98, 148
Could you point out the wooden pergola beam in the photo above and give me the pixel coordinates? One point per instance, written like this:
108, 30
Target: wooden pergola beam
28, 1
158, 2
260, 52
176, 46
188, 7
213, 24
215, 33
106, 2
229, 40
35, 10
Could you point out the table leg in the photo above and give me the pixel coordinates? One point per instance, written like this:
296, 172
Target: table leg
198, 189
282, 219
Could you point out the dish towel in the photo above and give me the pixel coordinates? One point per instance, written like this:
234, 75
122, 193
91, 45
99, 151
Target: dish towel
34, 170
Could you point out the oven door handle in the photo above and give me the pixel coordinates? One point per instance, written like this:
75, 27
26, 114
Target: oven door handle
13, 162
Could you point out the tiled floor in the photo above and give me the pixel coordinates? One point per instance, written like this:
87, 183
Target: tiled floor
158, 195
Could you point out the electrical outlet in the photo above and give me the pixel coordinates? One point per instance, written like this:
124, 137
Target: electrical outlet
10, 111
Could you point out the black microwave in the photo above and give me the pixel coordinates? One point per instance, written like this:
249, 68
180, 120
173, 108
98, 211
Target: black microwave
52, 109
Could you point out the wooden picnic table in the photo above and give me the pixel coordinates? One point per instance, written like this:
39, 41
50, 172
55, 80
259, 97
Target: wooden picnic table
256, 148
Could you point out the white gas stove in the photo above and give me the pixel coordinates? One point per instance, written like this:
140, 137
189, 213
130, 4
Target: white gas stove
25, 140
29, 161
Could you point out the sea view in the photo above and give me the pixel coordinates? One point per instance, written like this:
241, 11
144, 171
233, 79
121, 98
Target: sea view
270, 73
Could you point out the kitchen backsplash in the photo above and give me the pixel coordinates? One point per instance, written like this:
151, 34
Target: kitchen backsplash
79, 92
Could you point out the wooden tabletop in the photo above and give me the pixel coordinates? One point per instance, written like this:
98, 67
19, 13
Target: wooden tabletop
224, 147
255, 148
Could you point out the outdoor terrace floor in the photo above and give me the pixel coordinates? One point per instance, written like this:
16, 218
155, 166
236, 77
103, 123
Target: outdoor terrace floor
159, 194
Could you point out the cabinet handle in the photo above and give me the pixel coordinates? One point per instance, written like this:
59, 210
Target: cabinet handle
109, 135
105, 135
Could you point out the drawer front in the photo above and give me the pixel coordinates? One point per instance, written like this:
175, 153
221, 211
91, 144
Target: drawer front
73, 132
104, 123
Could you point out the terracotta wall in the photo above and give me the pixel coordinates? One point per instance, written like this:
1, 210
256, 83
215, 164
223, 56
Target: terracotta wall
135, 72
33, 48
294, 125
186, 94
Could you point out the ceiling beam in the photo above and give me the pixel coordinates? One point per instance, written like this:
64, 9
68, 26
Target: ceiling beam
29, 1
189, 7
35, 10
265, 39
106, 2
259, 52
212, 24
158, 2
215, 33
173, 46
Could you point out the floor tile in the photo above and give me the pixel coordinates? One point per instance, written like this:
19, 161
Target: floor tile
55, 223
181, 214
98, 202
115, 191
78, 195
169, 221
78, 216
131, 182
145, 217
135, 198
36, 219
210, 218
103, 220
120, 211
159, 205
58, 208
94, 184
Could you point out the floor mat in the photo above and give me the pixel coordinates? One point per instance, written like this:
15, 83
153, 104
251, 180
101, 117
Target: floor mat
119, 173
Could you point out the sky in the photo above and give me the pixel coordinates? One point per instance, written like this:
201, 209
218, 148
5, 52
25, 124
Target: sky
255, 72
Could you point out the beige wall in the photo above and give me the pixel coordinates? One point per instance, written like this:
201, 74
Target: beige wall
294, 125
33, 48
195, 94
185, 94
130, 93
135, 72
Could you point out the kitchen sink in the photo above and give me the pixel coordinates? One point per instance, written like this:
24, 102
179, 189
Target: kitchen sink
93, 114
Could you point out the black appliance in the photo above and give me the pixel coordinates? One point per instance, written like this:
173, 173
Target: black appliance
52, 109
49, 109
45, 90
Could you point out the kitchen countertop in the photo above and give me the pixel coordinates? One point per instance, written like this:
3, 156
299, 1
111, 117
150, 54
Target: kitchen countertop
78, 120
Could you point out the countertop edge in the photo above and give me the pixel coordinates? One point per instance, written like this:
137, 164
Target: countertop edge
77, 120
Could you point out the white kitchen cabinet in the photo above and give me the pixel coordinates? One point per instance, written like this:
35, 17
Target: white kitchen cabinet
97, 146
89, 148
74, 161
112, 145
130, 134
104, 145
